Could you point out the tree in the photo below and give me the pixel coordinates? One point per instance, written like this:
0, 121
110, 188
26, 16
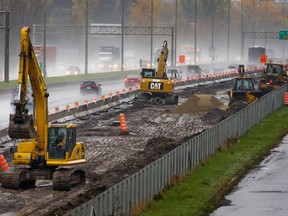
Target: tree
140, 13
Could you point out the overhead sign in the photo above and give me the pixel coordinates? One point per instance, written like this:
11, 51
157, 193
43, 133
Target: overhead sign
283, 35
263, 59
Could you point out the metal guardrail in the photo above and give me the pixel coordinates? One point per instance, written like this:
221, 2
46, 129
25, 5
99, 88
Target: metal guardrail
139, 189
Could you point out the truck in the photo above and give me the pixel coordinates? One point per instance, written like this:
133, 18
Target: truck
109, 58
50, 57
254, 54
130, 59
190, 51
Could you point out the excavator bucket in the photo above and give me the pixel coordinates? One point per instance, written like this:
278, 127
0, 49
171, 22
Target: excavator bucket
21, 128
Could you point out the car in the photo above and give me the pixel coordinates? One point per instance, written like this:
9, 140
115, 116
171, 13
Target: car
173, 73
15, 97
73, 70
193, 69
146, 64
132, 80
90, 87
232, 67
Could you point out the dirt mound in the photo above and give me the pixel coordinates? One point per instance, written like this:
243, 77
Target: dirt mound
199, 103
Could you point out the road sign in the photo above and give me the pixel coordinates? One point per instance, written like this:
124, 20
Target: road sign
182, 59
263, 58
283, 35
212, 49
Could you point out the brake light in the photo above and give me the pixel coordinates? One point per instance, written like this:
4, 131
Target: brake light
81, 86
95, 86
126, 80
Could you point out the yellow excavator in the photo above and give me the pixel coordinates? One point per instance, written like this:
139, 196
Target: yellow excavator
38, 156
155, 87
274, 76
243, 89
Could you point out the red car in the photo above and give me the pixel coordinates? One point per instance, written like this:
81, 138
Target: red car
132, 80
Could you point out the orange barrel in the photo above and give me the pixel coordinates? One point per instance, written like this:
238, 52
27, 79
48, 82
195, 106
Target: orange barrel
286, 98
3, 163
123, 124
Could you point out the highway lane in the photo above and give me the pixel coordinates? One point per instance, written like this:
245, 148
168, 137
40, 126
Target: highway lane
60, 96
264, 190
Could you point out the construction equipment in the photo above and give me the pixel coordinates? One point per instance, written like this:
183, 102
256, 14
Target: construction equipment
274, 76
37, 156
243, 89
155, 87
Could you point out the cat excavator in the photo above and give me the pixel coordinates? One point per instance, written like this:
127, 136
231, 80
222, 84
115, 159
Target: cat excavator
274, 76
37, 156
155, 87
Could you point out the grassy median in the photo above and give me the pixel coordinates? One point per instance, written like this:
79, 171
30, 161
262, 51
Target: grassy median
199, 192
69, 79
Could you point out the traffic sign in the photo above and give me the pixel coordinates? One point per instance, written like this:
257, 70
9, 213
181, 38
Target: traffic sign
182, 59
212, 49
283, 35
263, 59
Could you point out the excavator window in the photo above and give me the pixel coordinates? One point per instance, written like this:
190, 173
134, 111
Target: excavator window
57, 135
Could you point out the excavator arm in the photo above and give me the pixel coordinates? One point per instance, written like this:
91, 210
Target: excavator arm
21, 124
162, 59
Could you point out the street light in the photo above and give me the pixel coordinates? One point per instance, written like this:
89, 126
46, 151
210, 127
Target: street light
228, 40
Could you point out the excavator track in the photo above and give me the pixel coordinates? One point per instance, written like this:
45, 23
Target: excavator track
16, 179
64, 179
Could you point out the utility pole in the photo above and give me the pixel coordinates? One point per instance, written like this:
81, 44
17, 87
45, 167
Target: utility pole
6, 27
86, 37
151, 34
195, 32
44, 41
228, 39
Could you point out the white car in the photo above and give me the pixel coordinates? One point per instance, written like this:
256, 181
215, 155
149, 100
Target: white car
173, 73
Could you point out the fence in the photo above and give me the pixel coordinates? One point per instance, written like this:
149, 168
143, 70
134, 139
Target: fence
140, 188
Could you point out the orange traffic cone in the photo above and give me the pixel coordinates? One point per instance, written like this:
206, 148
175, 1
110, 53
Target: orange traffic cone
123, 125
3, 163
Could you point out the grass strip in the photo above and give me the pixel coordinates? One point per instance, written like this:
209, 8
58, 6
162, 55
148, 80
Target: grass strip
198, 193
68, 79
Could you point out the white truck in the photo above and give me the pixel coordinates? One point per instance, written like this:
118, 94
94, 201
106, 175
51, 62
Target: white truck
109, 58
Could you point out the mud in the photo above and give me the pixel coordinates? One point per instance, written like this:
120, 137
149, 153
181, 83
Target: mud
112, 157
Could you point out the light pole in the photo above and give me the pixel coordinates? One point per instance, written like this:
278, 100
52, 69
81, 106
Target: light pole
253, 22
44, 40
195, 31
242, 34
212, 33
176, 21
283, 26
228, 39
86, 38
151, 34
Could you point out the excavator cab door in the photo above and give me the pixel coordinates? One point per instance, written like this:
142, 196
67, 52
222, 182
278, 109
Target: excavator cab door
61, 142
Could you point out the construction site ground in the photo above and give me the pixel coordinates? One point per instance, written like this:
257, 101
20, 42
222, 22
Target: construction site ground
112, 157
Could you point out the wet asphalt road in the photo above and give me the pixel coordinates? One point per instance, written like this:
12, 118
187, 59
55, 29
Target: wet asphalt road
264, 191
